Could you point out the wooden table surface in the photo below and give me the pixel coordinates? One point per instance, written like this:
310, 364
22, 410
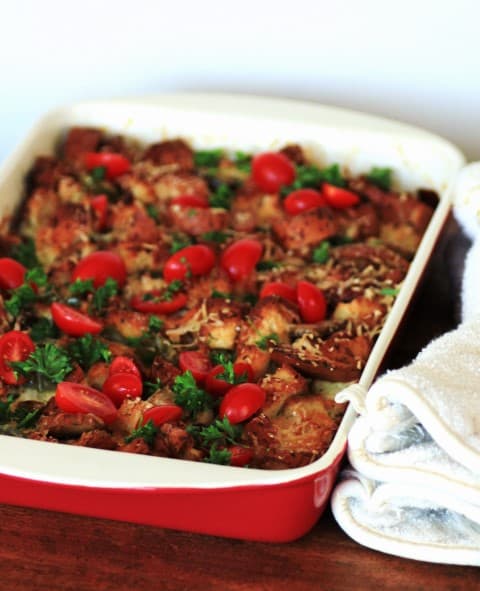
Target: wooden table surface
43, 550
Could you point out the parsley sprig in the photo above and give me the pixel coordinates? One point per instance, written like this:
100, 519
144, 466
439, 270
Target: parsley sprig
188, 395
100, 296
88, 350
146, 432
25, 253
321, 253
381, 177
46, 365
24, 296
311, 176
221, 431
222, 197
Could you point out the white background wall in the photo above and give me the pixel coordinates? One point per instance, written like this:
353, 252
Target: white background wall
417, 61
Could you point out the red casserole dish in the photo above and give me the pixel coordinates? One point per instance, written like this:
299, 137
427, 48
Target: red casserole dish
267, 505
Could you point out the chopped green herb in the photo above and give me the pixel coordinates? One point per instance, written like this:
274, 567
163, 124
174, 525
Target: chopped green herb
311, 176
218, 456
24, 253
208, 158
389, 291
219, 357
221, 295
222, 197
220, 431
264, 341
229, 375
333, 176
154, 324
321, 253
150, 388
188, 395
22, 297
25, 418
88, 350
5, 411
174, 287
381, 177
47, 362
81, 287
98, 173
103, 294
215, 236
147, 432
152, 211
37, 276
43, 329
267, 265
243, 161
179, 241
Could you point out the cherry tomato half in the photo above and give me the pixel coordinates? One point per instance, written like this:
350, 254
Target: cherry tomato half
271, 170
73, 397
241, 402
12, 273
122, 364
278, 288
303, 200
240, 456
197, 259
338, 197
162, 414
73, 322
157, 305
99, 266
119, 386
197, 362
14, 346
115, 164
215, 386
311, 301
243, 370
190, 201
99, 204
240, 257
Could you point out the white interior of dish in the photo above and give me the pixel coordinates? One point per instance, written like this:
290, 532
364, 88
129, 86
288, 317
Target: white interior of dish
356, 141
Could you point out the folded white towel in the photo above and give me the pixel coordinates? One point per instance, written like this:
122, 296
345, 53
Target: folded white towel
414, 489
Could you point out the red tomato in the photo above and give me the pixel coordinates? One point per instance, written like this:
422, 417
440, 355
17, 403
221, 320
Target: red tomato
303, 200
239, 258
99, 266
196, 362
280, 289
240, 456
14, 346
73, 397
197, 259
115, 164
162, 414
190, 201
241, 402
12, 273
215, 386
122, 385
311, 301
242, 369
122, 364
73, 322
338, 197
99, 204
271, 170
158, 306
